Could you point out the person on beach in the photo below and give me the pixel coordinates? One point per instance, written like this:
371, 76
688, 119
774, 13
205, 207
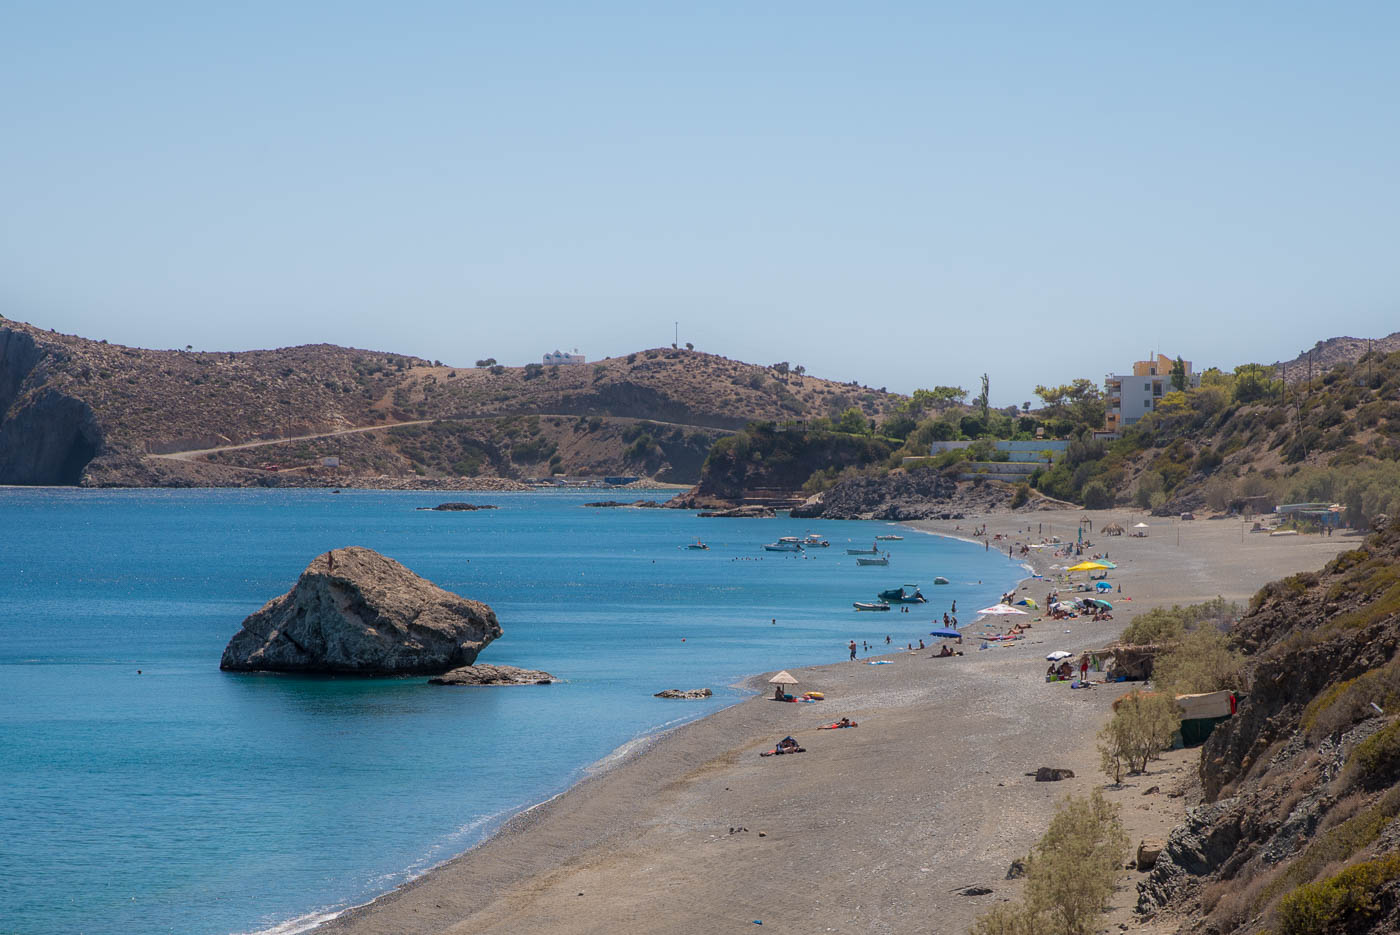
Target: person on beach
852, 648
1084, 668
955, 607
887, 639
921, 644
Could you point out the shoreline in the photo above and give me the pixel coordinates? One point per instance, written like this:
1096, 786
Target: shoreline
653, 832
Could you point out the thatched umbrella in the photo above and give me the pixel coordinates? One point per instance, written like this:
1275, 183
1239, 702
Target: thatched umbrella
1113, 529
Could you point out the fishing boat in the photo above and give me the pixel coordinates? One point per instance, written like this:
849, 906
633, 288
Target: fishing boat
908, 594
882, 560
873, 550
698, 546
890, 538
941, 580
871, 605
814, 541
785, 544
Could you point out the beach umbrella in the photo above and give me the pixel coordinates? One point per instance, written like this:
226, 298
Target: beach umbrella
1027, 602
1057, 655
1087, 566
945, 634
783, 678
1105, 563
1103, 586
996, 609
1102, 603
1140, 526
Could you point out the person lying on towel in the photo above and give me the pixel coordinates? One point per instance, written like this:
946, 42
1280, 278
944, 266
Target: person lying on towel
786, 745
837, 725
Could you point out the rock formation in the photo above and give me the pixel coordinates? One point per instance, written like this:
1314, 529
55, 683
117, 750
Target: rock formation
486, 674
688, 694
357, 612
459, 506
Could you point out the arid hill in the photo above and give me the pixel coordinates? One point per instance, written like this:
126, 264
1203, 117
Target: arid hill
1327, 354
1299, 831
77, 411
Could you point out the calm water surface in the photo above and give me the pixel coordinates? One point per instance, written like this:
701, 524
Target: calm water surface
188, 800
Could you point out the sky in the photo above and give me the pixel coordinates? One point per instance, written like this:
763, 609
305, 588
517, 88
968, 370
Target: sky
903, 194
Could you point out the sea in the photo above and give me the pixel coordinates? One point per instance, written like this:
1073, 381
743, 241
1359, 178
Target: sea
143, 790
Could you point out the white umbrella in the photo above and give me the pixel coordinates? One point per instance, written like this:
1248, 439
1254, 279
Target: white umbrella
996, 609
783, 678
1141, 526
1057, 655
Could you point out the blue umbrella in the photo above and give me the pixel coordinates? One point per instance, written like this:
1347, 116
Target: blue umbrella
945, 634
1103, 586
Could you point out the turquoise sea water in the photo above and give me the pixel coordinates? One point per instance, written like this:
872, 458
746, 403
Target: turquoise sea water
183, 799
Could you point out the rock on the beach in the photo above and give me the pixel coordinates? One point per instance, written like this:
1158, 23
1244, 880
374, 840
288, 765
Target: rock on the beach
688, 693
487, 674
357, 612
1052, 774
1148, 851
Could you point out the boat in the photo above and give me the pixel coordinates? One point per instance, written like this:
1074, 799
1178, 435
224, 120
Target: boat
785, 544
882, 560
812, 540
870, 551
890, 538
871, 605
941, 580
698, 546
909, 594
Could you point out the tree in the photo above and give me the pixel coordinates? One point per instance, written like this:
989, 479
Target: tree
1075, 867
898, 425
1178, 376
1141, 727
488, 362
1081, 401
982, 400
781, 368
852, 421
1254, 382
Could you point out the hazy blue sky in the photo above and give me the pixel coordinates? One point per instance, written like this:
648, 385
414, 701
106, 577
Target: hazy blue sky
902, 194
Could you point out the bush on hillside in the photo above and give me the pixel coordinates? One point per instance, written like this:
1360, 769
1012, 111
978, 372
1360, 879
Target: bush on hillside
1343, 902
1141, 727
1200, 661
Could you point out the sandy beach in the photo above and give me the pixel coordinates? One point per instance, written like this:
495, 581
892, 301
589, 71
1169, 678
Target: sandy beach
876, 829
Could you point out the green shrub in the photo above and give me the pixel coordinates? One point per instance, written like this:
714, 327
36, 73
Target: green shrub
1022, 494
1096, 496
1338, 903
1377, 758
1201, 661
1141, 727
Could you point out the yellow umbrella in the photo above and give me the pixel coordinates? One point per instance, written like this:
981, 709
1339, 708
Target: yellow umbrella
1087, 566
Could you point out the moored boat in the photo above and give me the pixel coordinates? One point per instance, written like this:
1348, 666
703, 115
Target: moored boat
908, 594
871, 605
698, 546
785, 544
882, 560
941, 580
870, 551
812, 540
890, 538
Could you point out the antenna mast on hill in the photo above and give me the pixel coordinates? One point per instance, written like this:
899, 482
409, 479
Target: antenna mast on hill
677, 341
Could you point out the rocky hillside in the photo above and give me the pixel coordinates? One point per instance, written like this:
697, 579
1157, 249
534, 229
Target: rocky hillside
75, 411
1327, 354
1298, 832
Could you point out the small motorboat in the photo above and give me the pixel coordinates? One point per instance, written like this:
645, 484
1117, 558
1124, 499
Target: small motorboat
941, 580
814, 541
873, 550
882, 560
698, 546
871, 605
908, 594
785, 544
890, 538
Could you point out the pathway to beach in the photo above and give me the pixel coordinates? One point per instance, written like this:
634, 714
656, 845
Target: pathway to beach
876, 829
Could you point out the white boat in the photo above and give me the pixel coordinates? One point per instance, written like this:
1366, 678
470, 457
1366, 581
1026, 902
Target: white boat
812, 540
890, 538
870, 551
882, 560
785, 544
871, 605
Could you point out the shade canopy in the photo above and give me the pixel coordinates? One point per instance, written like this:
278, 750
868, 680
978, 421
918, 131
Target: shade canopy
1088, 566
1140, 526
1027, 602
1102, 603
1057, 655
945, 634
1103, 586
996, 609
783, 678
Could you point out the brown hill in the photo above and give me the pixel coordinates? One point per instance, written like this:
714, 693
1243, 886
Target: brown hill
74, 411
1299, 831
1324, 355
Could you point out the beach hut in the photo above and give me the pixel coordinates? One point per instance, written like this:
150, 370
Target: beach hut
1201, 712
1113, 529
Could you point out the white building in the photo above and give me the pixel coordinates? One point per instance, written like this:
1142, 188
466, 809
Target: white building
1133, 395
558, 357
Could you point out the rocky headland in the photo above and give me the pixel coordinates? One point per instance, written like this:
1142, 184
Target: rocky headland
354, 611
487, 674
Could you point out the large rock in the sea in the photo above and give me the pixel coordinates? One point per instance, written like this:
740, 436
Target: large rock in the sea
357, 612
487, 674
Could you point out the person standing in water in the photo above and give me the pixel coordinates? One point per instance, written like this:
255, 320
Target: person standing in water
852, 648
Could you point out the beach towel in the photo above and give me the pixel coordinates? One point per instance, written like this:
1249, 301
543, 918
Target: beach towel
836, 726
880, 662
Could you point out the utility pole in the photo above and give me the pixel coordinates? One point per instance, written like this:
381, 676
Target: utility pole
677, 342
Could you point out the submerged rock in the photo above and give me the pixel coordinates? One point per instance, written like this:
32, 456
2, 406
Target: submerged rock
487, 674
357, 612
459, 507
690, 693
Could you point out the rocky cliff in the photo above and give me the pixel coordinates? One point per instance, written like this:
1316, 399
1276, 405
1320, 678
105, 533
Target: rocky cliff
46, 436
357, 612
897, 496
1298, 832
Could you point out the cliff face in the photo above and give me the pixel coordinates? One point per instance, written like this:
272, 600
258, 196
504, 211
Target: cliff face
1301, 785
46, 436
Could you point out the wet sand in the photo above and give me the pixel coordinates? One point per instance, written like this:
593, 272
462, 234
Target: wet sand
874, 829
